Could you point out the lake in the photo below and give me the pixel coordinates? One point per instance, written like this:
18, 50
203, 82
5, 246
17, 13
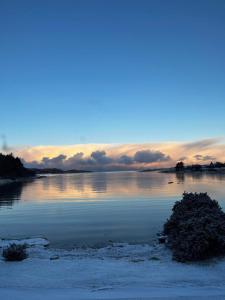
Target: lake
92, 209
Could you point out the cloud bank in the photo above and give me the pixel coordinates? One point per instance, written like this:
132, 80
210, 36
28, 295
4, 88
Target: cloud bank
99, 160
122, 156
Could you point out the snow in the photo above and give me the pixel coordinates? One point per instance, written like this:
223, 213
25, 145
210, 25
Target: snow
118, 271
29, 242
4, 181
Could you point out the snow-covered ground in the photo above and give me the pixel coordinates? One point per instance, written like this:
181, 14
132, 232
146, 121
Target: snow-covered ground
4, 181
118, 271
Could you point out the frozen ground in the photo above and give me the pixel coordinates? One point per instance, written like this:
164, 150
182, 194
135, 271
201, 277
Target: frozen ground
119, 271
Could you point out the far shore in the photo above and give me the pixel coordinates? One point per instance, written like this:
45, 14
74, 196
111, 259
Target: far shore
203, 170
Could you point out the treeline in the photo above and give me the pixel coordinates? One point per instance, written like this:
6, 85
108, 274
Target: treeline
11, 167
217, 165
196, 167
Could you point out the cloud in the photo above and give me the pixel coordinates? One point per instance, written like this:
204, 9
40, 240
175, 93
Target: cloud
125, 159
100, 157
204, 157
46, 162
55, 161
202, 144
99, 160
76, 160
148, 156
96, 160
182, 158
122, 156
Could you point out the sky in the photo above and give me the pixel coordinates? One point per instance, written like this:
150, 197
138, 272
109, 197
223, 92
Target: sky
93, 75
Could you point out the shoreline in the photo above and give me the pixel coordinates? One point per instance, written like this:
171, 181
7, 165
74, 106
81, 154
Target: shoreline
192, 172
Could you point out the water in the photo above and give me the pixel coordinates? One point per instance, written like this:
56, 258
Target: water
91, 209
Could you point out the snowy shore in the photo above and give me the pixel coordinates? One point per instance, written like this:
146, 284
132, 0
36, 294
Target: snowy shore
4, 181
118, 271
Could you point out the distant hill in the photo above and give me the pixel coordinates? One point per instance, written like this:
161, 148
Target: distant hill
57, 171
12, 167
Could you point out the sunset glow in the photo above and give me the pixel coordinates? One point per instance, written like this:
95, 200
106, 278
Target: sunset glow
77, 156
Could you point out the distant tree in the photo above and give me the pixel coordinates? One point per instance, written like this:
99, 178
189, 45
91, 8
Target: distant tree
179, 166
211, 166
196, 167
219, 165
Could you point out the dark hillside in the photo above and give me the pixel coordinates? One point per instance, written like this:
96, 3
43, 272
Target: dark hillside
12, 167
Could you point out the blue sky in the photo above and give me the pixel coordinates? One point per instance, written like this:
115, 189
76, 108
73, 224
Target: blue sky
111, 71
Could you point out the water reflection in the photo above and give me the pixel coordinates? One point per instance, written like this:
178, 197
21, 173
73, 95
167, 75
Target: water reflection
96, 207
97, 186
99, 183
114, 185
144, 182
180, 177
84, 187
200, 176
10, 193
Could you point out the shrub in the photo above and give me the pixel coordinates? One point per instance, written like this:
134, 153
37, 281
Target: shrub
196, 228
15, 252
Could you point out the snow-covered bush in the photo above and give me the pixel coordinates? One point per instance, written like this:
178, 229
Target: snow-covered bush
15, 252
196, 228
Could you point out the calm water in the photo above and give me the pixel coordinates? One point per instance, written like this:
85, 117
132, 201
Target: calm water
93, 208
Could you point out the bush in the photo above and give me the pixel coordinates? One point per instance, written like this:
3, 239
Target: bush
15, 252
196, 228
